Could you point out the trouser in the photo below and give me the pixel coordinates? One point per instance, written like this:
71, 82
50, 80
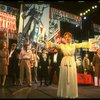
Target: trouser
2, 80
34, 73
25, 64
52, 71
15, 74
44, 75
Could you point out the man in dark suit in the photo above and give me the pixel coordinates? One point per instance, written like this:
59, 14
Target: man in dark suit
55, 60
13, 64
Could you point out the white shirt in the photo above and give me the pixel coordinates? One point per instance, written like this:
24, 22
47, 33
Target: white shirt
25, 54
55, 57
11, 53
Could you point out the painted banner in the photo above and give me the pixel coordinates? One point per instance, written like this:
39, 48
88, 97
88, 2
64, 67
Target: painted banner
56, 16
34, 23
8, 9
40, 22
65, 16
8, 25
97, 37
94, 46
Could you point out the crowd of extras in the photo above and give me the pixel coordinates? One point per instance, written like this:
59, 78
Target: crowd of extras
28, 66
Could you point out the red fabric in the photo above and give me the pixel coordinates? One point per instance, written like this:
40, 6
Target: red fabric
84, 79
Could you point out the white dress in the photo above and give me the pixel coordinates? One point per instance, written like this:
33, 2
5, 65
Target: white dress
68, 86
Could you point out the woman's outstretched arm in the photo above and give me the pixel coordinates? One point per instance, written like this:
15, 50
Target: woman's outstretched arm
50, 44
86, 44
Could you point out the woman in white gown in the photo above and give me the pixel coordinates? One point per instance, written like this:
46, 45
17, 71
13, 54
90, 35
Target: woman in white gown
68, 86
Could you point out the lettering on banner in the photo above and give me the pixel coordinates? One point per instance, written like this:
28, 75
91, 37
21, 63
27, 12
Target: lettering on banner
7, 22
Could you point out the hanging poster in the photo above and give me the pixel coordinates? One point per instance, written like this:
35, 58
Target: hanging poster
34, 23
8, 25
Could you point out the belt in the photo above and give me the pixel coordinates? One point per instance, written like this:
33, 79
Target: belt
3, 58
67, 65
26, 59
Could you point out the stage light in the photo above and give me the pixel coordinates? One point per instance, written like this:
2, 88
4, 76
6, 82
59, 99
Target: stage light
88, 10
95, 6
84, 18
92, 7
84, 13
81, 14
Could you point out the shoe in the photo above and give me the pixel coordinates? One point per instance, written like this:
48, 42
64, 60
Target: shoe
15, 84
30, 85
40, 84
46, 84
2, 86
20, 84
35, 82
49, 84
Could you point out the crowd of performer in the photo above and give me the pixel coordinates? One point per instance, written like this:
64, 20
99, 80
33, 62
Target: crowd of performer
27, 65
31, 66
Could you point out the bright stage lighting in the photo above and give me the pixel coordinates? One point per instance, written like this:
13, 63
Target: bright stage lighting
88, 10
95, 6
84, 18
81, 14
92, 7
84, 13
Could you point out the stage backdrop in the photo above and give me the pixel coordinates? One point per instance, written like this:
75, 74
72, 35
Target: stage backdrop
8, 25
8, 22
41, 22
33, 24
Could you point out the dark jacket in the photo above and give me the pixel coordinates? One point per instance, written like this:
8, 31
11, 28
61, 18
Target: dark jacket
14, 58
59, 58
42, 62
